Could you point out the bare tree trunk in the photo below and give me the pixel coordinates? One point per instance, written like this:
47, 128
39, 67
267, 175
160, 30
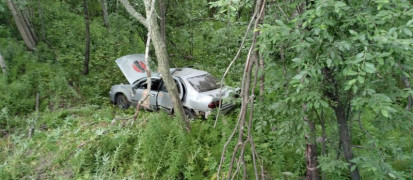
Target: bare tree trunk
342, 117
23, 26
163, 62
162, 13
87, 36
105, 13
3, 65
311, 150
345, 138
261, 63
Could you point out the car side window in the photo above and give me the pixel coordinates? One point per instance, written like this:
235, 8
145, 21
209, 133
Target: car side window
177, 87
154, 85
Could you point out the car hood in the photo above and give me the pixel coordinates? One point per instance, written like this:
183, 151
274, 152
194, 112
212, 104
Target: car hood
132, 66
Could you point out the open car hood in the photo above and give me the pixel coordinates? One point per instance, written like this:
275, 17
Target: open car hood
132, 66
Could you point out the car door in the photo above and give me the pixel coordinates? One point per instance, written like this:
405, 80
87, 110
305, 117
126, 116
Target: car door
140, 90
164, 100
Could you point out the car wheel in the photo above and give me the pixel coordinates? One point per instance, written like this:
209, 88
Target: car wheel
122, 102
190, 114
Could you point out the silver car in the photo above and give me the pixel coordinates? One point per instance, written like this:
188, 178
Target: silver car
199, 91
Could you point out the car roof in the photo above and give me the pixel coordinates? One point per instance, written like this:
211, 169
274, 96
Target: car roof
185, 73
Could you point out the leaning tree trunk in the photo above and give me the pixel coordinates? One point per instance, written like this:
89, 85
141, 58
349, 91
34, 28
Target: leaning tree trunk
163, 62
161, 55
25, 30
87, 37
105, 13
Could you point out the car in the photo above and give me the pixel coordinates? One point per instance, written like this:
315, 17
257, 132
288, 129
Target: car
199, 91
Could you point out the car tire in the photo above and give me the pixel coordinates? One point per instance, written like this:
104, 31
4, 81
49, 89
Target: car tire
122, 102
190, 114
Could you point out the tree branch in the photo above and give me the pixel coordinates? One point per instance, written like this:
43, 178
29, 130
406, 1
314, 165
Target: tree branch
134, 13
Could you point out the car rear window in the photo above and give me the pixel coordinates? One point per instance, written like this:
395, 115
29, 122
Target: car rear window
203, 83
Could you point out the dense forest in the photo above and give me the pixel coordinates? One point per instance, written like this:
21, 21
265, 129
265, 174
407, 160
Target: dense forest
325, 89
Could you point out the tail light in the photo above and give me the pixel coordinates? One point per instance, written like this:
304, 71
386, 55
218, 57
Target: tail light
214, 104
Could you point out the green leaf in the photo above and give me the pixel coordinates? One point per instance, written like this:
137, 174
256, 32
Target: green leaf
360, 79
352, 32
297, 60
353, 167
407, 31
351, 82
392, 30
369, 68
329, 62
392, 175
385, 113
300, 76
409, 22
279, 22
360, 55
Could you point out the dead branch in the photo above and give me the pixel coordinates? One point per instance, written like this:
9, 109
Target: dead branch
247, 99
233, 61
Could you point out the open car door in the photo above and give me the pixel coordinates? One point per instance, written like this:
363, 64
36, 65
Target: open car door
164, 100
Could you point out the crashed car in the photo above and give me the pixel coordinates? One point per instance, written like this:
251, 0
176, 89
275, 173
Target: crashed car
199, 91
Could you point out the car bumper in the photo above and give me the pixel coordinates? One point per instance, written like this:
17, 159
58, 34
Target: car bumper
112, 96
225, 109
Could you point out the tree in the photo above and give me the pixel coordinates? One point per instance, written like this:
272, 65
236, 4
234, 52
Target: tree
161, 55
87, 39
23, 25
343, 57
105, 13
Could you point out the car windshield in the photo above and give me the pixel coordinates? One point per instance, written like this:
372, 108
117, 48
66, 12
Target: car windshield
203, 83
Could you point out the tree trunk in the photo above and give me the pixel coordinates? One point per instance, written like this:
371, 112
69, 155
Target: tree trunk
105, 13
3, 65
345, 138
87, 36
162, 13
163, 62
312, 172
23, 26
161, 55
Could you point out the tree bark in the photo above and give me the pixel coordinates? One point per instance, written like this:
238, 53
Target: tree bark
333, 93
3, 65
133, 13
105, 13
22, 24
87, 36
341, 115
162, 13
312, 172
